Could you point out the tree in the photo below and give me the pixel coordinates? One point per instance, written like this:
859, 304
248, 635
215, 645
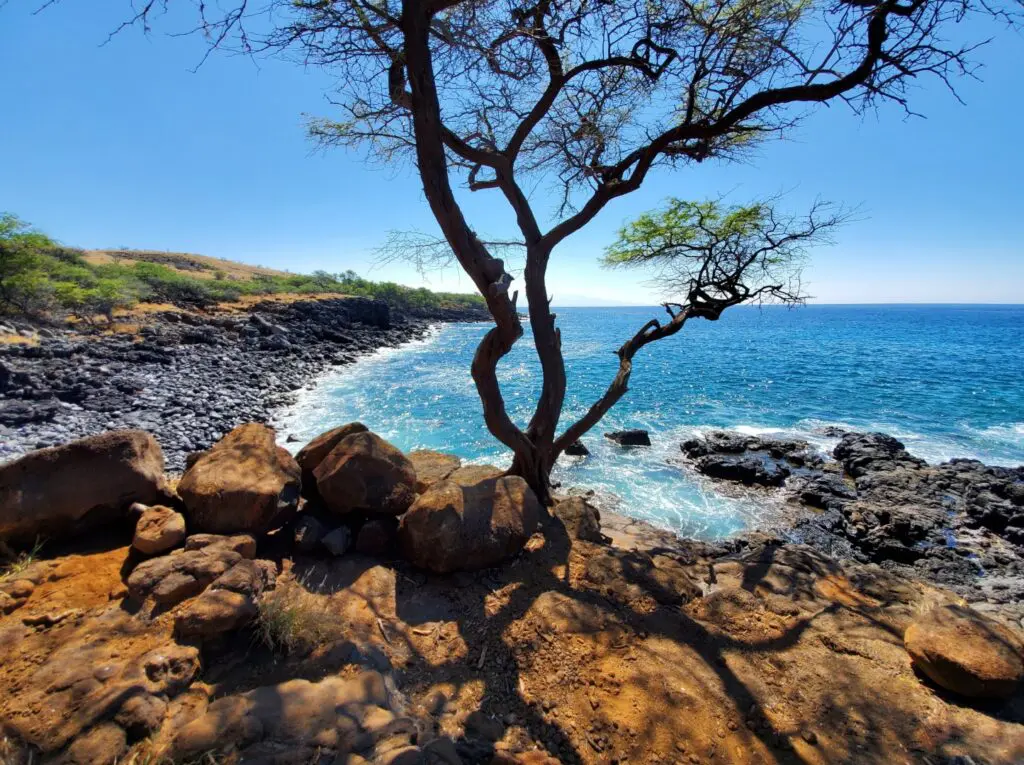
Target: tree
586, 97
24, 288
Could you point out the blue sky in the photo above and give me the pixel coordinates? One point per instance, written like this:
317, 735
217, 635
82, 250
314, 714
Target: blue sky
123, 145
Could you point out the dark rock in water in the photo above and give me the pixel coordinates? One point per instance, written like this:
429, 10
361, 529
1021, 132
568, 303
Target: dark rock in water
863, 453
635, 437
826, 492
577, 449
746, 470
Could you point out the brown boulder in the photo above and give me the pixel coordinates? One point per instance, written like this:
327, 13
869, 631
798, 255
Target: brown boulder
182, 574
452, 527
159, 529
365, 472
581, 519
66, 489
966, 652
313, 453
245, 482
432, 467
213, 613
467, 475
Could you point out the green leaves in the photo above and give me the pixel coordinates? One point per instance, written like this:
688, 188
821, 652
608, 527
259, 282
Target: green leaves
711, 255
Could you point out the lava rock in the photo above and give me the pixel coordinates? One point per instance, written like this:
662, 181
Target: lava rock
633, 437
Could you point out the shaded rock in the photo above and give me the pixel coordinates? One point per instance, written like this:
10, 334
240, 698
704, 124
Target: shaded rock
213, 613
577, 449
248, 577
628, 575
635, 437
338, 541
182, 574
102, 745
64, 490
291, 717
365, 472
581, 519
453, 526
377, 536
431, 467
158, 529
245, 482
826, 492
243, 544
966, 652
312, 454
141, 714
308, 533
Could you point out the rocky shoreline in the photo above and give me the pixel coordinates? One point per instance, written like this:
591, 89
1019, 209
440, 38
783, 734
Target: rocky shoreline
959, 524
186, 376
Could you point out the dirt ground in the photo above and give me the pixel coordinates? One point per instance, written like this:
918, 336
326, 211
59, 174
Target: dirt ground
589, 653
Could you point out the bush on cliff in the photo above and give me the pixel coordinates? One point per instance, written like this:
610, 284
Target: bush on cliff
40, 278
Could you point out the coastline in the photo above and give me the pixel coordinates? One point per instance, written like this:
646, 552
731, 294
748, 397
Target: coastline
187, 376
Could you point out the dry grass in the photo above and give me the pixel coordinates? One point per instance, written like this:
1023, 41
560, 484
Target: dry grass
21, 561
207, 266
293, 620
18, 340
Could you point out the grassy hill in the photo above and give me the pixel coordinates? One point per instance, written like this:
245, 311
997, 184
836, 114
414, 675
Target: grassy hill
42, 279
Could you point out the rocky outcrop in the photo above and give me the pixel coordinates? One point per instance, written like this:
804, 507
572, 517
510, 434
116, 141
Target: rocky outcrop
300, 721
453, 526
363, 472
947, 523
577, 449
966, 652
229, 603
244, 483
158, 530
633, 437
67, 489
312, 454
182, 574
431, 467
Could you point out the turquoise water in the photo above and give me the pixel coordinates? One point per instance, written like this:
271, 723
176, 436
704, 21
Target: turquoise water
947, 380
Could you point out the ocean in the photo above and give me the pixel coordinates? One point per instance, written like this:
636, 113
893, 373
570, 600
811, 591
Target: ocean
946, 380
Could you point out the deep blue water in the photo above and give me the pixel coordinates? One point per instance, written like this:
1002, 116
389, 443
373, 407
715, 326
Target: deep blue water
947, 380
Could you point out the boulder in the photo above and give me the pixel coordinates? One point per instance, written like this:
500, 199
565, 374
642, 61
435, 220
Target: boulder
581, 519
214, 613
182, 574
64, 490
158, 530
313, 453
365, 472
245, 482
471, 474
633, 437
243, 544
966, 652
453, 526
432, 467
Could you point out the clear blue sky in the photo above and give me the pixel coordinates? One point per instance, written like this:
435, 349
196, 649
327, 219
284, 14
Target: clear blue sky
123, 145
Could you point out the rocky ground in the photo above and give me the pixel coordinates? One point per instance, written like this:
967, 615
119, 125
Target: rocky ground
959, 524
187, 376
357, 605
